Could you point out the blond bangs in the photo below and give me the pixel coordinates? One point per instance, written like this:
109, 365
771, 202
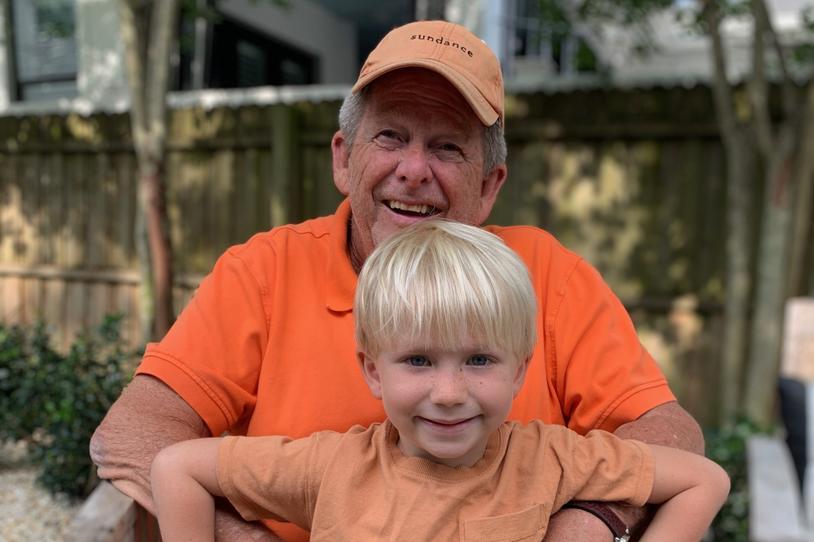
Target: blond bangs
439, 282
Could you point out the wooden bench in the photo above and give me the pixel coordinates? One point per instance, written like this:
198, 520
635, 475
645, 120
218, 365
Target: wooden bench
778, 510
109, 515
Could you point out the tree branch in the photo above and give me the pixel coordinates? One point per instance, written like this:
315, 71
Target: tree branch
132, 39
803, 198
722, 92
164, 16
758, 84
761, 13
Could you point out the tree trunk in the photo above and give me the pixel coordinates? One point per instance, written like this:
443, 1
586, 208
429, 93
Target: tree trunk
740, 180
802, 233
740, 171
147, 28
770, 297
160, 248
785, 163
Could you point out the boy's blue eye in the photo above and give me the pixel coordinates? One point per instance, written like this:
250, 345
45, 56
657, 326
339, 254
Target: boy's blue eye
479, 360
418, 361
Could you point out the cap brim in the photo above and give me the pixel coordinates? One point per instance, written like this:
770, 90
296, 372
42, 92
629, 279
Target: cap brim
482, 108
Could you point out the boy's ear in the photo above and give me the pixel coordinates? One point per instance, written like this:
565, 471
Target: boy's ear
371, 374
520, 376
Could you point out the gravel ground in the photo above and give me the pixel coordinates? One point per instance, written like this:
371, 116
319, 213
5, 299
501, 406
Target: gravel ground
27, 511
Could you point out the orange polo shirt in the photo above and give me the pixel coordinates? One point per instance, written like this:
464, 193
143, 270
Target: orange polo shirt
266, 344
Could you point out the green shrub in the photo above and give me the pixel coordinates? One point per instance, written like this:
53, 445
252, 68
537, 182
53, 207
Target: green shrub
55, 401
15, 387
727, 447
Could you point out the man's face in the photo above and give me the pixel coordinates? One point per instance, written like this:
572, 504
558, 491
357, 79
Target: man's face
445, 403
418, 153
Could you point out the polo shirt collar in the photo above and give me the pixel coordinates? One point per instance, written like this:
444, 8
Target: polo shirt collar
341, 276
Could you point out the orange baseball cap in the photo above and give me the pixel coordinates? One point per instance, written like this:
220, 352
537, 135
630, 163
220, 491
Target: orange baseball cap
449, 49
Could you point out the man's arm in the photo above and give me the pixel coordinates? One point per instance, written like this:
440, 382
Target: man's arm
147, 417
665, 425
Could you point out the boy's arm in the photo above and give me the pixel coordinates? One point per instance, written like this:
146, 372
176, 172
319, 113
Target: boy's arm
690, 488
184, 483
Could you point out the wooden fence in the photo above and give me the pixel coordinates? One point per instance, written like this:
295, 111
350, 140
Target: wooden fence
631, 179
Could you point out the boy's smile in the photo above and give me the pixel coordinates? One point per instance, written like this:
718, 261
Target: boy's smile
445, 403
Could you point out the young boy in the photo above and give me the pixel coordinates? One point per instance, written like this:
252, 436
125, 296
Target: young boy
446, 323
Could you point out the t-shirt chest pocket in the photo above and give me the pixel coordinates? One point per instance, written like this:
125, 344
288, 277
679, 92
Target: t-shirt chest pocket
526, 526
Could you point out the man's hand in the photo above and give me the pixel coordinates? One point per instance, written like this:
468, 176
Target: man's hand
666, 425
147, 417
573, 525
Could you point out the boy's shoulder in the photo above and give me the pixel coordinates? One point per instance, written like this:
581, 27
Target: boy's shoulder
561, 439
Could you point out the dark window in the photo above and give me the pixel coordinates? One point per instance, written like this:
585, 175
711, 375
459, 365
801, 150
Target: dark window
541, 30
44, 45
238, 56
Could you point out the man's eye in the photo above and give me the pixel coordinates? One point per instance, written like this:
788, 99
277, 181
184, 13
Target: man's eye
479, 360
418, 361
449, 152
388, 136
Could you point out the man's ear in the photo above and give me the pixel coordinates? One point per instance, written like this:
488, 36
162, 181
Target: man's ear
371, 374
490, 188
340, 153
520, 376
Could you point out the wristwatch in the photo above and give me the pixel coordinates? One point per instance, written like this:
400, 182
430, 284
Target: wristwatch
602, 511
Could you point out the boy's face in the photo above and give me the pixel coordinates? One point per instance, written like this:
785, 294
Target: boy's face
444, 403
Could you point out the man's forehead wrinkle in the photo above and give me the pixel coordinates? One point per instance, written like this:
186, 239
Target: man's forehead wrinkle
396, 92
396, 112
439, 113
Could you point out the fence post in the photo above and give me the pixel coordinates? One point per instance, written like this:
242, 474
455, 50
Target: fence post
285, 185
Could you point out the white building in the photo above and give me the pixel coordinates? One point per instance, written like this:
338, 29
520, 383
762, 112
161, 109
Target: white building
538, 52
63, 54
67, 54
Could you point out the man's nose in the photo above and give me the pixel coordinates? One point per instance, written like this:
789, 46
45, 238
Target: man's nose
449, 388
414, 166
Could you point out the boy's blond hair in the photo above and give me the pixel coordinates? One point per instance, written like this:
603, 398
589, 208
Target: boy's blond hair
438, 282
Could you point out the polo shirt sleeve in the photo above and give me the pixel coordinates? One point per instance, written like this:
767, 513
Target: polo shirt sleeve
603, 375
275, 477
212, 354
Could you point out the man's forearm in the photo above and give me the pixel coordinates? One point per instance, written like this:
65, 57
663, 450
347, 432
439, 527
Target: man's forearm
147, 417
666, 425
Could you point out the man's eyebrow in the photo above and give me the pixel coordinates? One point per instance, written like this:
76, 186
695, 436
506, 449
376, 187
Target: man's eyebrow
458, 127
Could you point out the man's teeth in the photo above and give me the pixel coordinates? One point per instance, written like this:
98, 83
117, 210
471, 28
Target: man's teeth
421, 209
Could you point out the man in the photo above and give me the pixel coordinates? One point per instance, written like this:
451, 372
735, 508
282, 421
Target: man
266, 345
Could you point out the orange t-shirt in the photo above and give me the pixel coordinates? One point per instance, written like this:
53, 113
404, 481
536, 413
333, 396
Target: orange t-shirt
266, 344
359, 486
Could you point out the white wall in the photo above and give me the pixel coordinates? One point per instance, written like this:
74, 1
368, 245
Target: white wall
101, 82
4, 50
305, 26
101, 78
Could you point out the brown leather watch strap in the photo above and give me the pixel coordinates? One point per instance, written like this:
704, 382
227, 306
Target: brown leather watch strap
603, 512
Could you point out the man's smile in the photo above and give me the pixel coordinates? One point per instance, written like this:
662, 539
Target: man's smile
412, 210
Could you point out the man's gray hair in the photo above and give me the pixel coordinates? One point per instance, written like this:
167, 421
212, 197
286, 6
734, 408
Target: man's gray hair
353, 108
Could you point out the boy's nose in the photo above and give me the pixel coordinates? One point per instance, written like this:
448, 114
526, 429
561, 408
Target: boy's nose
449, 388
